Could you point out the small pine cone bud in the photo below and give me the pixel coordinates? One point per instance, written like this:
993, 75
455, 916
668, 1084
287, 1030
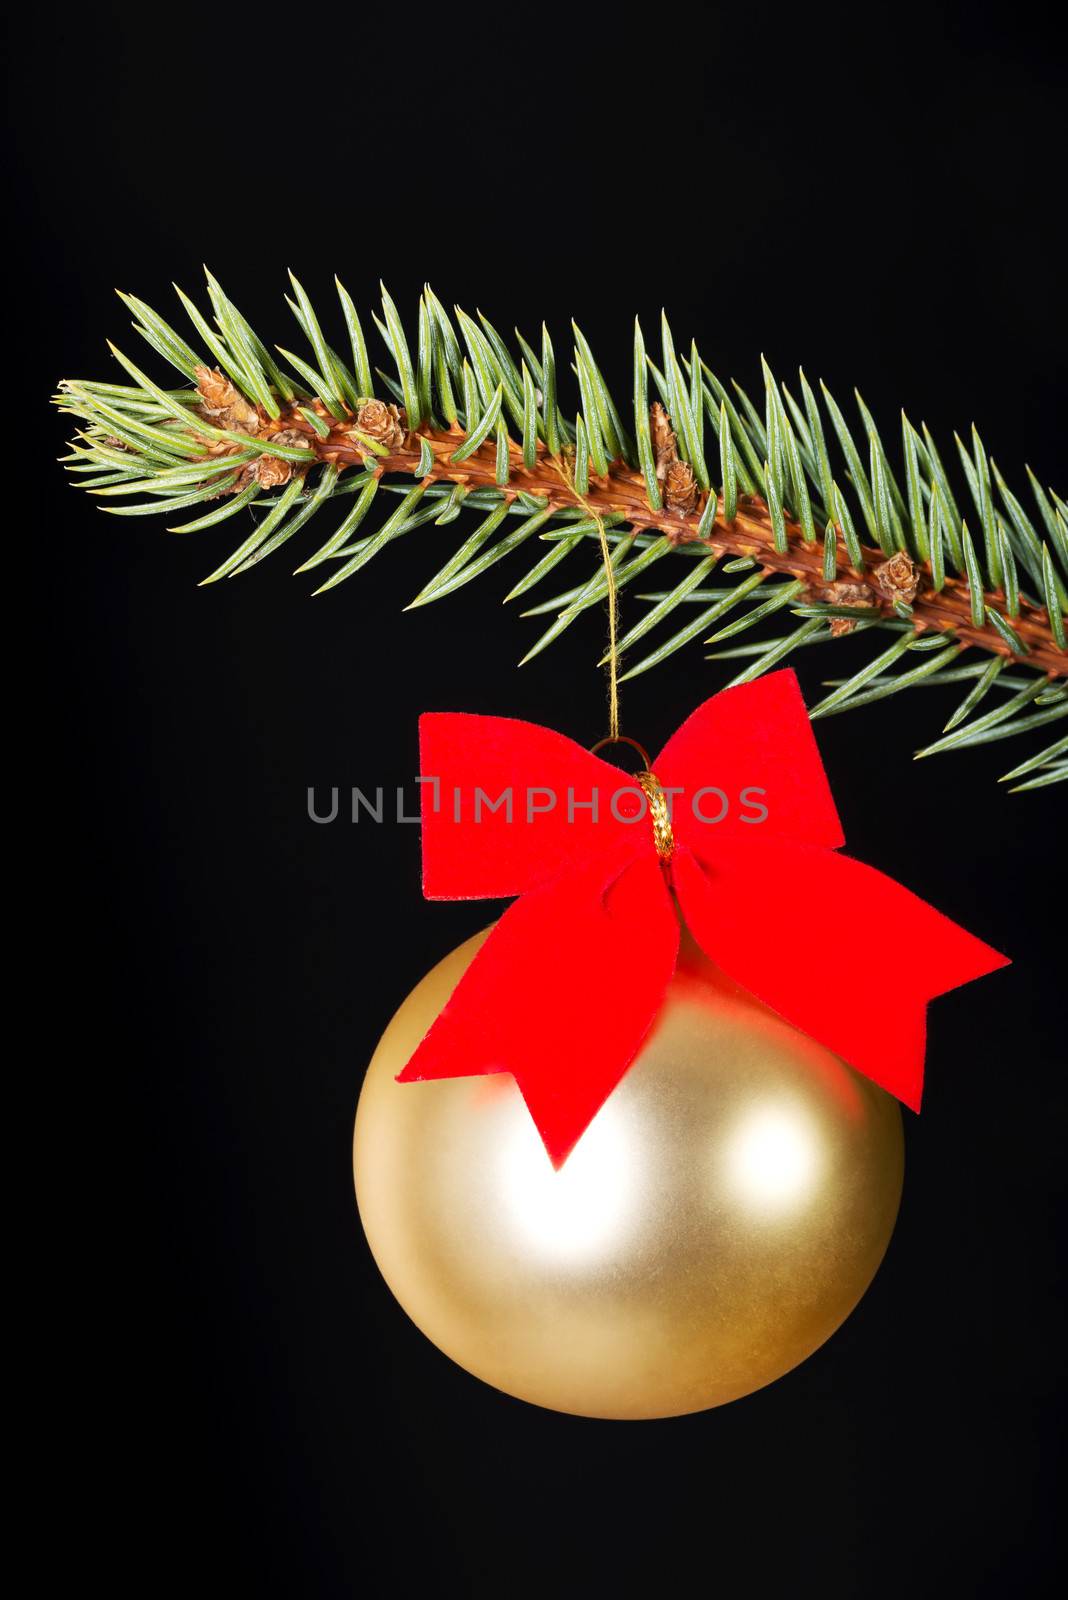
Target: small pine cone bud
680, 489
383, 422
290, 436
271, 471
662, 435
898, 578
843, 593
220, 402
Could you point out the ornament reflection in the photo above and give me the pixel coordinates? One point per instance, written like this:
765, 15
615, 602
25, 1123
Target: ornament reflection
774, 1159
581, 1209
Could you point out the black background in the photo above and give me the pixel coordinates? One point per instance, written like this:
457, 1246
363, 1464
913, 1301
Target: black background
227, 1394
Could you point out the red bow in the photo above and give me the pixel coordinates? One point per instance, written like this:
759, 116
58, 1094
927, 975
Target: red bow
569, 981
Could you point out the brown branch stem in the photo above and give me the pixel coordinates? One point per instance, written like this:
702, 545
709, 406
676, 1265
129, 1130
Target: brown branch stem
621, 492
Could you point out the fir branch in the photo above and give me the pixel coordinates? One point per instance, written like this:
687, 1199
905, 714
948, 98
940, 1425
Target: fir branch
462, 423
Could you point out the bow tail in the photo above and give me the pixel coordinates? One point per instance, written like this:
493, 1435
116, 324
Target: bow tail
561, 995
844, 953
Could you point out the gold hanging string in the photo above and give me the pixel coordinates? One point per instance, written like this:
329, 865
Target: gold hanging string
622, 738
613, 597
656, 801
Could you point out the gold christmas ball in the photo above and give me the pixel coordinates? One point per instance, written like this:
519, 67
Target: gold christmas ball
717, 1221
